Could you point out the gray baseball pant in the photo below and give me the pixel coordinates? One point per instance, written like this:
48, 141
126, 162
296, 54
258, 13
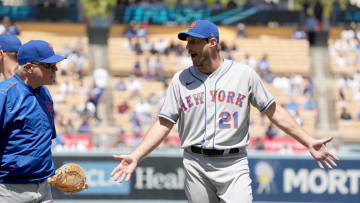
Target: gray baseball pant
217, 179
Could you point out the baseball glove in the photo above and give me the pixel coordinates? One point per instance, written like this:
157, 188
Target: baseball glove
69, 178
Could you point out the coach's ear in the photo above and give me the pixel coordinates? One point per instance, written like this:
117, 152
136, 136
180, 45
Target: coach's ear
28, 68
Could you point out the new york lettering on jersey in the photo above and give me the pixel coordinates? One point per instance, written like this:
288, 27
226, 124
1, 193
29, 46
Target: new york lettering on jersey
223, 96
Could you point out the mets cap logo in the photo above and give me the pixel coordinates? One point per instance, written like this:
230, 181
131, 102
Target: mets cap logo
212, 35
51, 47
193, 24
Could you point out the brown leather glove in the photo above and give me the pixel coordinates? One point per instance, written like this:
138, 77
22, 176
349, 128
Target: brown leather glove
69, 178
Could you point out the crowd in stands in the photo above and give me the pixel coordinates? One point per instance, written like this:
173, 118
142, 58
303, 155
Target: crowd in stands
345, 55
8, 26
138, 96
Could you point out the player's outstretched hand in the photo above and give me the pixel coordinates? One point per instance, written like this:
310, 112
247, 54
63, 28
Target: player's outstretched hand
320, 153
125, 168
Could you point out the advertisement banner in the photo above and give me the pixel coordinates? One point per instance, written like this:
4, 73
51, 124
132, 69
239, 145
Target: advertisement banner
275, 178
154, 178
301, 180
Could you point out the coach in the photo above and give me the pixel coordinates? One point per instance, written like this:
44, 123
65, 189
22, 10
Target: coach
27, 126
9, 46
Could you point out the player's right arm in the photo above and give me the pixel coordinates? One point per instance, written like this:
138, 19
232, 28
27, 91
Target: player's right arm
158, 131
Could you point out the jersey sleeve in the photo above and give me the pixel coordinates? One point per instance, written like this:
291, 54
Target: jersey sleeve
2, 111
260, 97
171, 107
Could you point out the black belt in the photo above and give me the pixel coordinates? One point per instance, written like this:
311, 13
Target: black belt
212, 152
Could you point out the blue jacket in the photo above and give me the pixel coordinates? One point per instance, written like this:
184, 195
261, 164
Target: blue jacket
26, 130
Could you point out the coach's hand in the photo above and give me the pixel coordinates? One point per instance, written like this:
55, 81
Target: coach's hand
320, 153
125, 168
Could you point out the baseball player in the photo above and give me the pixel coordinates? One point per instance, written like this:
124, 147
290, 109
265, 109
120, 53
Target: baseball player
210, 101
9, 45
27, 126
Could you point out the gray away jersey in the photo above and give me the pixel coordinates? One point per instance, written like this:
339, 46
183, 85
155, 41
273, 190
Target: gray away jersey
213, 111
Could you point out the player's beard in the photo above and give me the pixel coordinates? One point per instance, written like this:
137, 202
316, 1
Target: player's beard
202, 59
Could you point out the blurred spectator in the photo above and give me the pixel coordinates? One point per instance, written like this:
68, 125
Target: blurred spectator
296, 81
217, 7
129, 31
357, 51
231, 5
13, 29
282, 83
150, 69
358, 116
318, 11
141, 31
250, 61
292, 106
135, 121
271, 131
299, 34
85, 125
2, 28
310, 103
66, 88
5, 25
248, 4
240, 31
120, 85
309, 87
263, 66
137, 69
137, 48
160, 73
146, 45
311, 27
160, 46
335, 11
341, 94
123, 107
346, 116
142, 108
259, 145
118, 140
82, 89
70, 127
356, 95
153, 99
88, 108
268, 76
134, 87
128, 45
306, 6
101, 78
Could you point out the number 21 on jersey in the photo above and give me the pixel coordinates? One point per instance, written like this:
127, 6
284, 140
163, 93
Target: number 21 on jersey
228, 120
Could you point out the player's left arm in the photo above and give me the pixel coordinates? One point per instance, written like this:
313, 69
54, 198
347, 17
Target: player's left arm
282, 118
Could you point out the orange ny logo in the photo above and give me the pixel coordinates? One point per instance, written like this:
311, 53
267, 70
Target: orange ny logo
51, 47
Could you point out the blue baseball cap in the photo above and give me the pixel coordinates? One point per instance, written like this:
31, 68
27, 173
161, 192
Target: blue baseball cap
201, 29
38, 51
9, 43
